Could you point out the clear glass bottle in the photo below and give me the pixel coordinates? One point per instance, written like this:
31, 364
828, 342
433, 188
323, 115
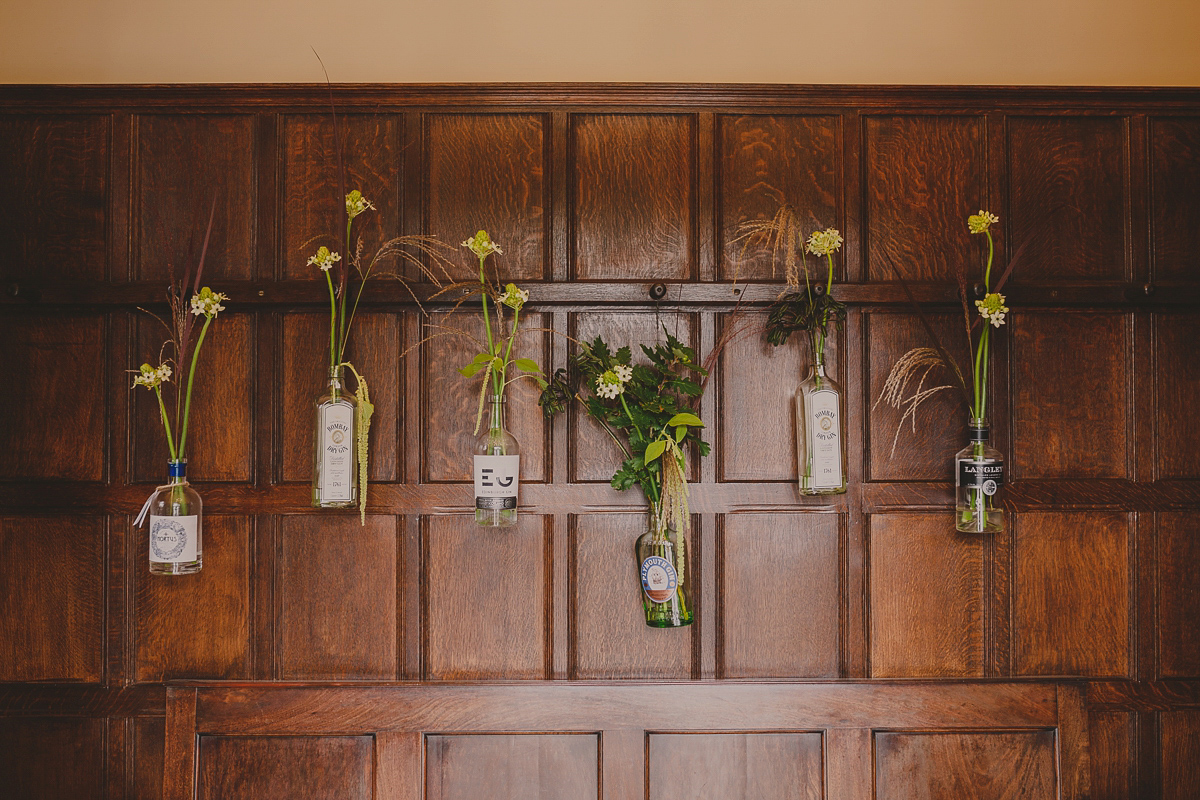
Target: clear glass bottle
662, 568
820, 439
978, 476
497, 471
335, 456
176, 525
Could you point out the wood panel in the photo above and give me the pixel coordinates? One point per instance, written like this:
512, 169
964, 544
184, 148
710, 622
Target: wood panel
487, 598
926, 601
53, 210
336, 597
632, 196
756, 766
1174, 188
1071, 603
1067, 198
185, 162
313, 213
1177, 380
304, 375
1179, 743
1070, 397
285, 767
1111, 746
513, 767
764, 162
609, 638
60, 362
924, 176
52, 598
778, 591
949, 766
489, 171
1178, 559
148, 752
376, 343
52, 759
195, 626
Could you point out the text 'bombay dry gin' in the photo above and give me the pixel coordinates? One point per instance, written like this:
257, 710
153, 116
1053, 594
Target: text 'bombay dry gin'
176, 525
335, 457
497, 471
820, 443
978, 476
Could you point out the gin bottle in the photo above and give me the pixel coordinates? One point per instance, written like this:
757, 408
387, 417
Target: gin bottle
820, 443
497, 471
662, 568
978, 476
335, 455
176, 525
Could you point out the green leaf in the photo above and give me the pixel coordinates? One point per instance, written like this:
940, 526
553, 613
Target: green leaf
685, 418
527, 365
680, 432
478, 363
655, 449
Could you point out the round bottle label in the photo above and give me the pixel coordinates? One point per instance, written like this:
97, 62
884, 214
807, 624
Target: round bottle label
659, 580
172, 539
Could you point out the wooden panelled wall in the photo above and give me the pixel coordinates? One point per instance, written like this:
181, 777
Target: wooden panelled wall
1063, 655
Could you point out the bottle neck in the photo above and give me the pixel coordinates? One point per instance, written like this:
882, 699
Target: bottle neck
335, 377
176, 471
496, 414
978, 429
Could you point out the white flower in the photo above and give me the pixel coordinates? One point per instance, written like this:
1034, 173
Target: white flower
609, 385
513, 297
482, 245
623, 372
152, 377
357, 204
992, 308
163, 373
324, 259
978, 223
208, 302
823, 243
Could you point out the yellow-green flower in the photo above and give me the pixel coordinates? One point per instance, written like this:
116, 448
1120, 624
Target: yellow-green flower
152, 377
513, 297
357, 204
482, 245
978, 223
823, 243
992, 308
208, 302
324, 259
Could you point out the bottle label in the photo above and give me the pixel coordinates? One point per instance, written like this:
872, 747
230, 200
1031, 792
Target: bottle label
337, 452
659, 580
825, 439
496, 481
987, 475
173, 539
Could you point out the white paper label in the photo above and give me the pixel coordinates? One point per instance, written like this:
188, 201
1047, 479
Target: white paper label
496, 481
825, 439
173, 539
337, 452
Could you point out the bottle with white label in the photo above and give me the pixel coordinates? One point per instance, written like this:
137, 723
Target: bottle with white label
497, 471
978, 476
176, 525
662, 569
335, 451
820, 439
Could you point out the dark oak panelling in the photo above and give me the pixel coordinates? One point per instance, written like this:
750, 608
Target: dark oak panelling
195, 626
148, 743
1177, 379
632, 213
312, 212
924, 176
1178, 593
1067, 198
513, 767
53, 219
764, 162
778, 595
609, 637
1070, 398
55, 415
951, 766
52, 759
376, 342
336, 598
1174, 208
486, 596
756, 766
184, 163
1179, 743
1071, 599
285, 767
1111, 749
489, 171
305, 369
926, 598
52, 598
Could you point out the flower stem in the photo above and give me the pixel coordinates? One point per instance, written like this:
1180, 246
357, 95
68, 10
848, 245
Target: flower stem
187, 403
166, 423
333, 359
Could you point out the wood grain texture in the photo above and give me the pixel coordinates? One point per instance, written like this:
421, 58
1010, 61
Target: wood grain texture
185, 162
54, 759
756, 766
53, 207
284, 767
1111, 750
1175, 186
609, 638
55, 422
1071, 601
52, 599
309, 184
1178, 559
513, 767
489, 171
195, 626
376, 342
1069, 395
304, 376
487, 598
1178, 384
1067, 197
927, 603
949, 766
336, 597
778, 596
632, 194
148, 749
924, 175
1179, 743
766, 161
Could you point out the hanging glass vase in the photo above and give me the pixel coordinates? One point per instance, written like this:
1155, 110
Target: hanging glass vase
335, 457
497, 467
176, 525
978, 476
662, 568
820, 443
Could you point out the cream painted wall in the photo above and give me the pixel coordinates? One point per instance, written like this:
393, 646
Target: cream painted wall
1069, 42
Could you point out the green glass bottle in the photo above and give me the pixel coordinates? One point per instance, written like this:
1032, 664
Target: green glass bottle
662, 568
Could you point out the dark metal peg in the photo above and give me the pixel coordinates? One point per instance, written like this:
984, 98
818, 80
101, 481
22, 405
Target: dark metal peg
658, 291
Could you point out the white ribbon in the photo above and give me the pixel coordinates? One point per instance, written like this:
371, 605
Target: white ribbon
141, 517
